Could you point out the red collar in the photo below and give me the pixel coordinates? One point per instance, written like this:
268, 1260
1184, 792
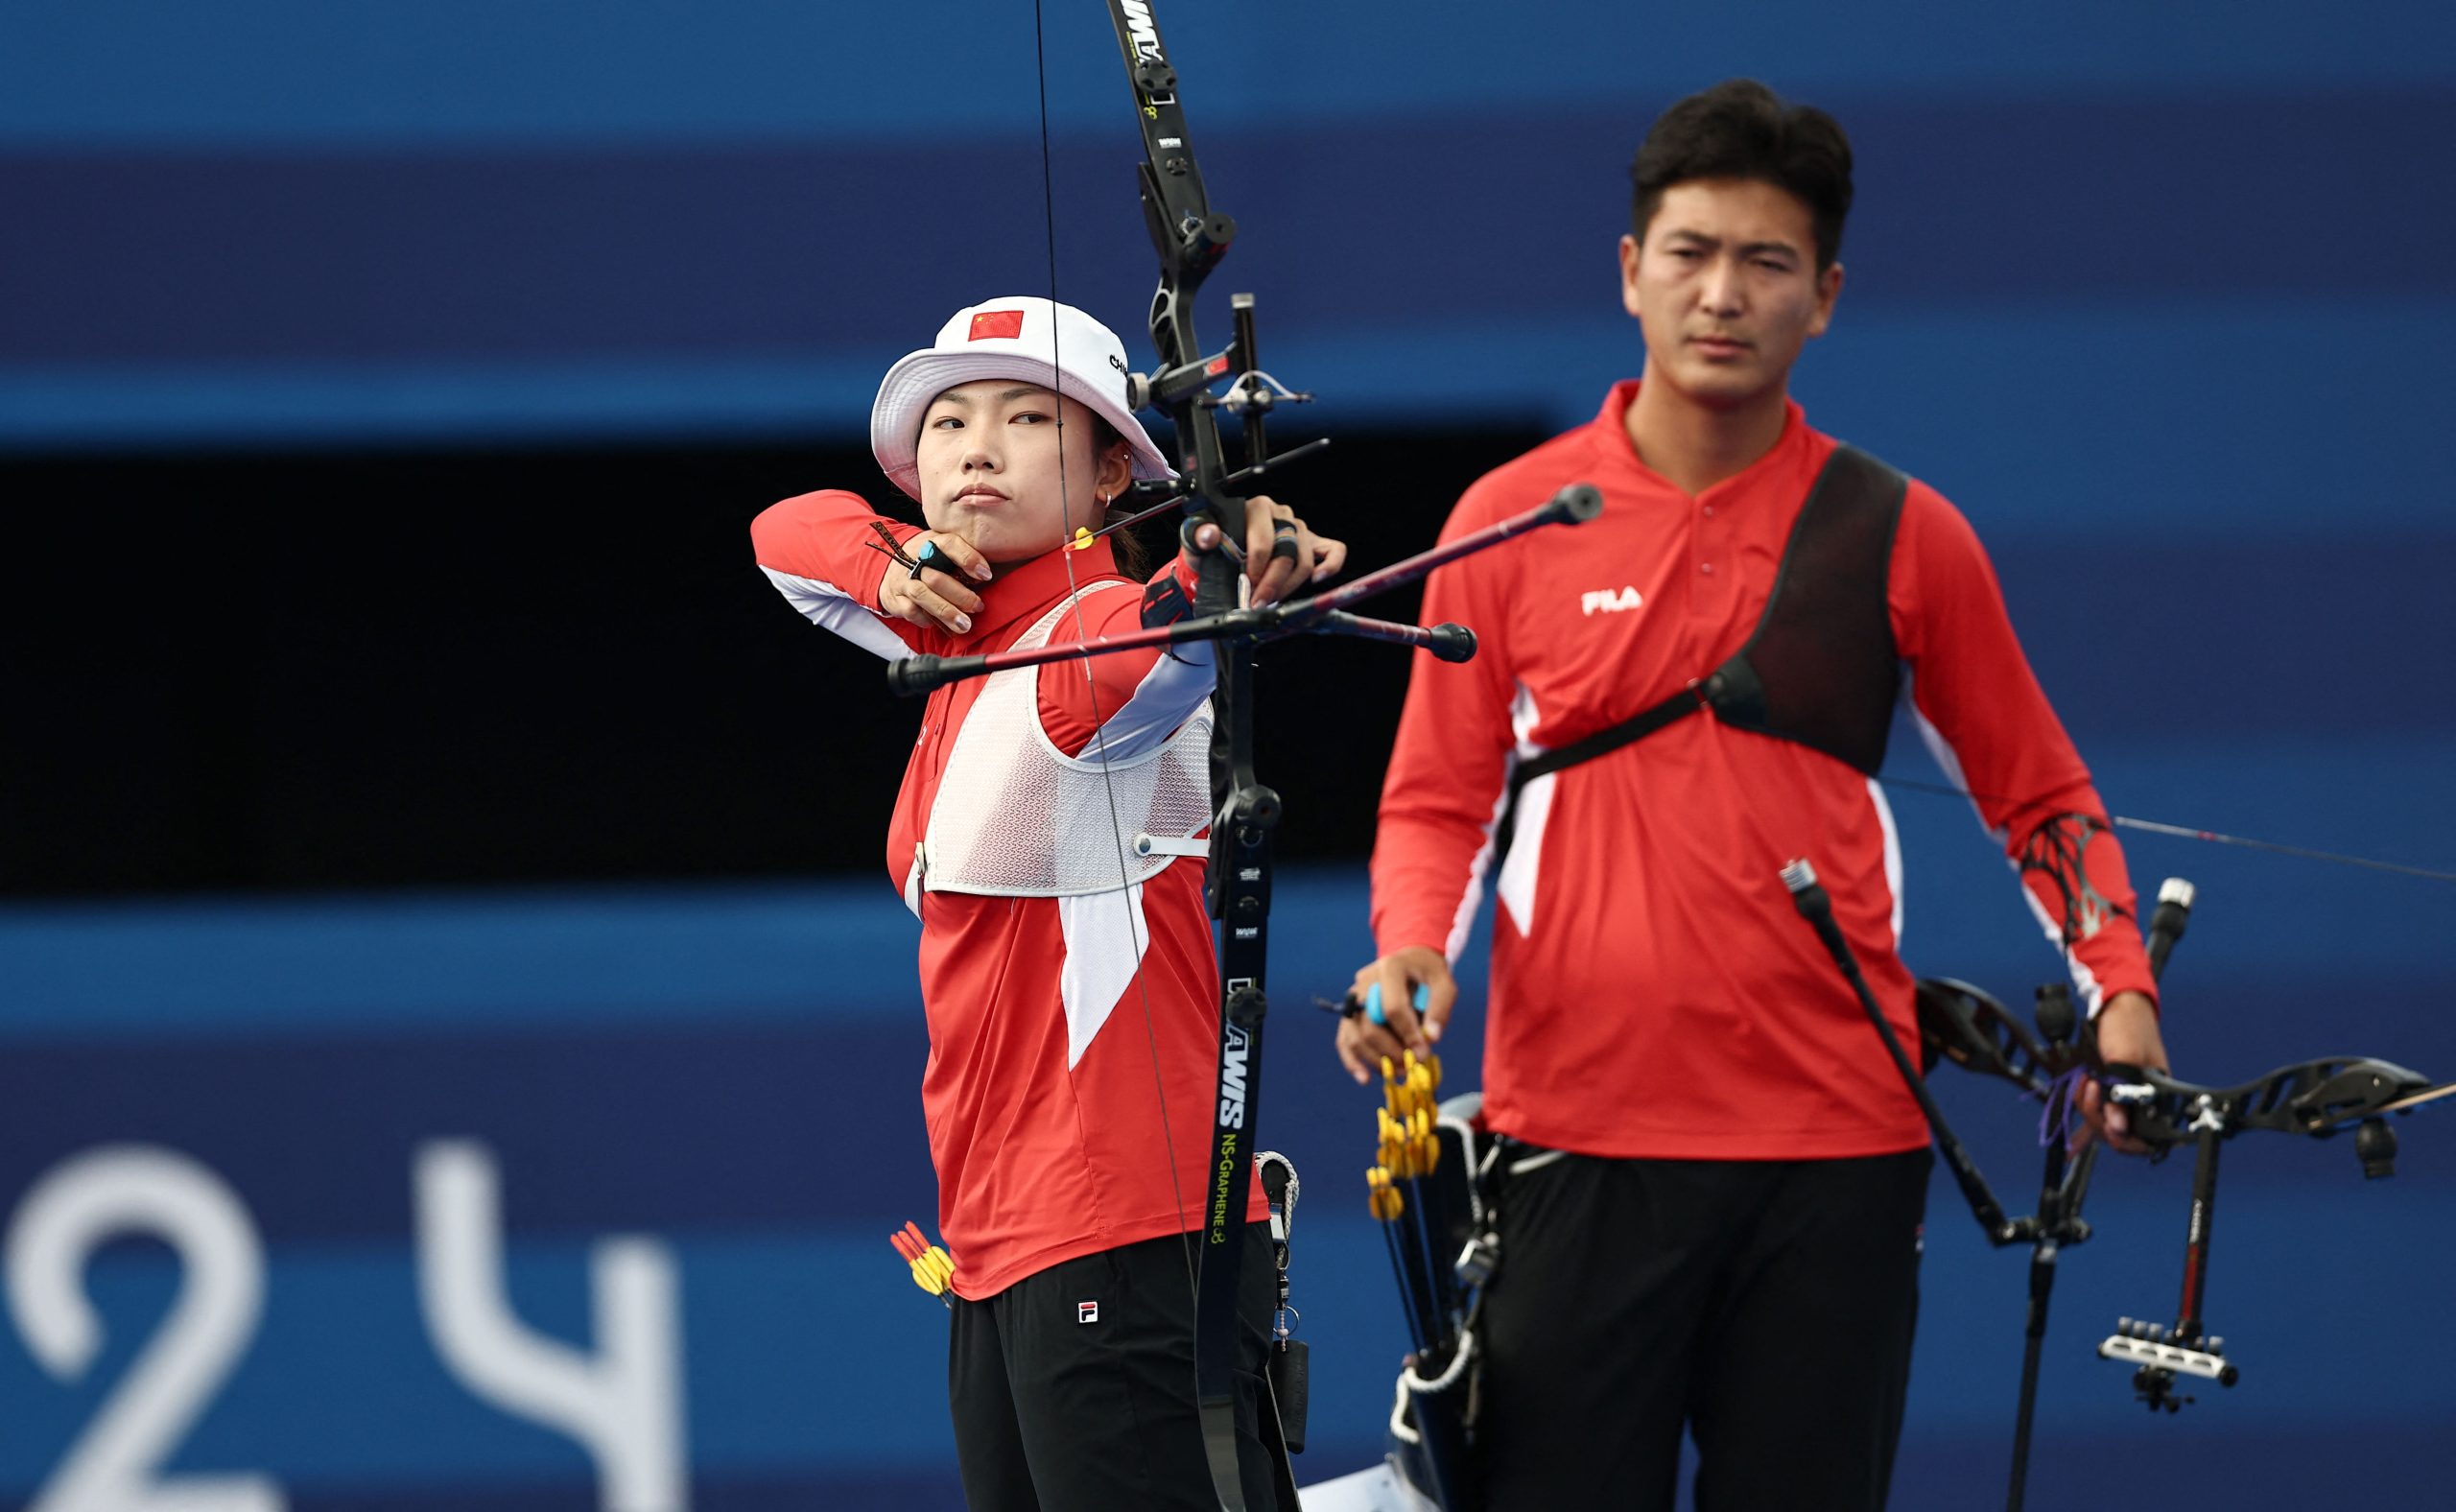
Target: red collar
1029, 587
1613, 444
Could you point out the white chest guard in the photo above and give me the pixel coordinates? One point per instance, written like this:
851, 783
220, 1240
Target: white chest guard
1016, 817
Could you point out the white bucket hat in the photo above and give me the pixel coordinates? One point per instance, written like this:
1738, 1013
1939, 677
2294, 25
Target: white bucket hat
1008, 339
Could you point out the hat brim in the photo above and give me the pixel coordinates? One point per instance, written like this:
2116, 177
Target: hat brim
919, 377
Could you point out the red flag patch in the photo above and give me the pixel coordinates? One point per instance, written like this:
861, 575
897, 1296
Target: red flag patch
992, 324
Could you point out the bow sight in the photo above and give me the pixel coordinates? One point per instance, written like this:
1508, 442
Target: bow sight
1963, 1025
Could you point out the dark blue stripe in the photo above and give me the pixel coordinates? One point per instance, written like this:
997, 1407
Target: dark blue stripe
714, 1127
736, 1127
851, 1490
262, 70
2396, 1464
2198, 1458
751, 251
500, 257
2330, 636
848, 1489
329, 964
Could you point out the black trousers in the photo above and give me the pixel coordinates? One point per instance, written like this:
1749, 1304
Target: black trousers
1053, 1413
1768, 1305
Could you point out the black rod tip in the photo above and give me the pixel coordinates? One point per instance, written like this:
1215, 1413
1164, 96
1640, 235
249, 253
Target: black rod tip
916, 675
1577, 504
1451, 642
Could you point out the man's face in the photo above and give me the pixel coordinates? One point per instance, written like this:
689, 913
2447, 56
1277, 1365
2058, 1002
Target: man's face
1726, 288
989, 459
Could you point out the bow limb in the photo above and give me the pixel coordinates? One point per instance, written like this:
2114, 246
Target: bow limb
1190, 240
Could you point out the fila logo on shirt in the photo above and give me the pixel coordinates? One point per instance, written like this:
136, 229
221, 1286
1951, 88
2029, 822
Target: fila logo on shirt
1087, 1312
1609, 601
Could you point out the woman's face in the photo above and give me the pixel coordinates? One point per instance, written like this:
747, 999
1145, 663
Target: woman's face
999, 470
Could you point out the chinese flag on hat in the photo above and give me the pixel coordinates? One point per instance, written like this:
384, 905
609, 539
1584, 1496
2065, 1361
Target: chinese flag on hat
991, 324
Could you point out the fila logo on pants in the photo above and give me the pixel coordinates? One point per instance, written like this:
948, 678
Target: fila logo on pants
1609, 601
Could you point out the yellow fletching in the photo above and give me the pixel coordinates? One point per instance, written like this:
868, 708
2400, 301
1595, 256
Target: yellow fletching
1379, 1194
932, 1268
1082, 541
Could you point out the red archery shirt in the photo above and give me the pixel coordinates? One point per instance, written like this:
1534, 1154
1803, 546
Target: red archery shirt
1654, 992
1040, 1092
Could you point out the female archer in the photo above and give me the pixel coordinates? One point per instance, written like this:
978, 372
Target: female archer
1069, 984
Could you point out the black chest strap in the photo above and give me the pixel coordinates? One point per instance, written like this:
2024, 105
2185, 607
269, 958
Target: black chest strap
1820, 668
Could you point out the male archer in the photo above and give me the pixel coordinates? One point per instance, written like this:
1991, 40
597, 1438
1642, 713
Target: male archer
1712, 1203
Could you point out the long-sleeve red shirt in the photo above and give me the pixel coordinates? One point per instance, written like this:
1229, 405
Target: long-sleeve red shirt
1654, 992
1043, 1108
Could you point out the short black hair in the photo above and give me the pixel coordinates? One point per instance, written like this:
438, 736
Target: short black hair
1739, 128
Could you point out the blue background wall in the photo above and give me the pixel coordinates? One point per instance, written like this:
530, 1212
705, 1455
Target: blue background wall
734, 1071
2161, 297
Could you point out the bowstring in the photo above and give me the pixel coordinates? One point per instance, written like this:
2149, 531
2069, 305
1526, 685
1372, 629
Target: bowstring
2122, 821
1134, 922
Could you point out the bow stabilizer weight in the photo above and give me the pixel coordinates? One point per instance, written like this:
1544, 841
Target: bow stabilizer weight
2317, 1098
